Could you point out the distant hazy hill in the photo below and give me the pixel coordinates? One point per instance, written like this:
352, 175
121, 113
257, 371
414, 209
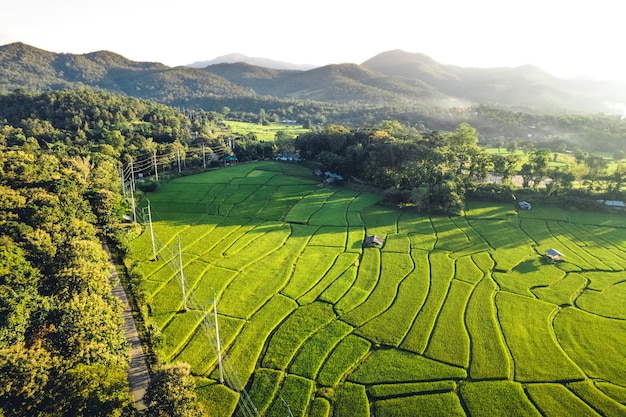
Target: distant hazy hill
526, 86
391, 79
259, 62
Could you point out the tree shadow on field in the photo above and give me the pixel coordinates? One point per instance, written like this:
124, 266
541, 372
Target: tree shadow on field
530, 265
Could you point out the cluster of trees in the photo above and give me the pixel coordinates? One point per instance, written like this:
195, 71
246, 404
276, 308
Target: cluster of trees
434, 170
62, 351
62, 348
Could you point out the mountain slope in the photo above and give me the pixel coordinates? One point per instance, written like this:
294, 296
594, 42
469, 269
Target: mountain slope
390, 79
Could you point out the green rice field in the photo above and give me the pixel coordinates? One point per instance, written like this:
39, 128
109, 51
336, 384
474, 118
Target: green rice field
452, 316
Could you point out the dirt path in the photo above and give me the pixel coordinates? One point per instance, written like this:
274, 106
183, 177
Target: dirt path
138, 374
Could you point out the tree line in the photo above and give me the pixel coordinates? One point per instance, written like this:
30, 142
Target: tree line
62, 348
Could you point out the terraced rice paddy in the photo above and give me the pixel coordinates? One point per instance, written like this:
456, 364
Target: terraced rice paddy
452, 316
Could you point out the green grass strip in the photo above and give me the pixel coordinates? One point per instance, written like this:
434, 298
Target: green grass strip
597, 399
556, 400
313, 264
449, 236
489, 357
294, 331
314, 351
563, 292
255, 285
351, 400
527, 326
497, 398
218, 398
178, 330
247, 347
488, 210
263, 243
450, 341
408, 388
529, 274
294, 397
395, 267
397, 243
330, 236
437, 405
265, 385
391, 327
441, 274
213, 279
343, 262
411, 222
356, 235
367, 277
467, 270
340, 286
320, 407
282, 200
198, 351
583, 336
345, 356
355, 219
608, 303
380, 220
308, 205
333, 212
252, 241
393, 365
616, 392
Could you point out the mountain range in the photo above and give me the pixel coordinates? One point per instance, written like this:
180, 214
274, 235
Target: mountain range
391, 79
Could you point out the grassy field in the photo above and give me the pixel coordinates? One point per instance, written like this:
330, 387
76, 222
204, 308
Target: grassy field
264, 133
452, 316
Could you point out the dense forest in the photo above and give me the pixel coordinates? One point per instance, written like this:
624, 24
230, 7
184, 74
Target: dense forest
62, 157
62, 351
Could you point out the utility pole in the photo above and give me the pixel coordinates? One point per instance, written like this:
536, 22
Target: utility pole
156, 172
132, 192
182, 275
178, 159
217, 337
203, 157
154, 253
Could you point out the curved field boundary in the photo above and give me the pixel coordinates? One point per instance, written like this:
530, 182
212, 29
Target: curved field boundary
343, 359
312, 265
489, 357
264, 388
367, 277
340, 286
343, 262
391, 326
557, 400
247, 347
497, 398
293, 397
394, 268
351, 400
293, 333
537, 355
582, 335
450, 342
312, 355
254, 286
441, 274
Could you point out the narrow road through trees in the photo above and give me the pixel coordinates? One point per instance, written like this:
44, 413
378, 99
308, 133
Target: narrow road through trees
138, 373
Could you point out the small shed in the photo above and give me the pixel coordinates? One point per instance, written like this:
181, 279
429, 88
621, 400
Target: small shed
373, 241
524, 205
554, 255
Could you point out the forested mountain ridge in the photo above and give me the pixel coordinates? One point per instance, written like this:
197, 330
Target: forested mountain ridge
390, 79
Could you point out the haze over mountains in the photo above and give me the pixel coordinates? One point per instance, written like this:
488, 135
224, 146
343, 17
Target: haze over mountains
393, 78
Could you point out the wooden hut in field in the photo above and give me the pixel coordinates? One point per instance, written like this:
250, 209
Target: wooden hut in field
554, 255
373, 241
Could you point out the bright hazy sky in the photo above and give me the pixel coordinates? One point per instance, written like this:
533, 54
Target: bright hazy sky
565, 38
